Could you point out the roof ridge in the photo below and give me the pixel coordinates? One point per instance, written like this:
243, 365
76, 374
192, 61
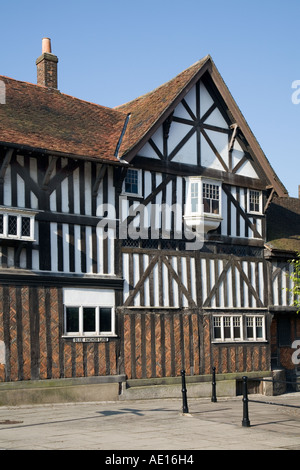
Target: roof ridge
199, 62
54, 90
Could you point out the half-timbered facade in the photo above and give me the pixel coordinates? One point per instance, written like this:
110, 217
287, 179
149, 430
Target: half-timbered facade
133, 239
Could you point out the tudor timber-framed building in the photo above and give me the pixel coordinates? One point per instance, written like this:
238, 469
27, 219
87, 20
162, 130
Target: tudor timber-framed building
97, 280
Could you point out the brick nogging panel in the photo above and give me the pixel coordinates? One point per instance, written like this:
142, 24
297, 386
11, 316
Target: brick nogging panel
162, 343
154, 343
31, 327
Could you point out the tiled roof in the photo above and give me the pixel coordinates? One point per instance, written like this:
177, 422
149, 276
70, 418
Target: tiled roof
41, 118
283, 224
44, 119
146, 110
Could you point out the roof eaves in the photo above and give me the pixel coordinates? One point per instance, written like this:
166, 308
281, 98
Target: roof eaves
55, 153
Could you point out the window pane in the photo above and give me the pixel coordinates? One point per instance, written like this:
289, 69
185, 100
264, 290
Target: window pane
72, 319
131, 182
211, 198
259, 327
254, 200
89, 319
1, 223
206, 205
217, 328
250, 327
227, 332
12, 225
215, 207
194, 197
236, 327
105, 319
25, 227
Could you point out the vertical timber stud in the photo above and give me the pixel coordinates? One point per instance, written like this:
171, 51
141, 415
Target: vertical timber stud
185, 408
245, 421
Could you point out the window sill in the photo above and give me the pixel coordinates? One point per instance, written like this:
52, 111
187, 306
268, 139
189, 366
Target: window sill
255, 213
136, 196
238, 341
207, 221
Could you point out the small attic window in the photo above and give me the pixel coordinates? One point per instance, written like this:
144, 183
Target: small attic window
255, 201
132, 183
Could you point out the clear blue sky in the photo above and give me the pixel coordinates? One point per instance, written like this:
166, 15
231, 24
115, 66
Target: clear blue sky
111, 51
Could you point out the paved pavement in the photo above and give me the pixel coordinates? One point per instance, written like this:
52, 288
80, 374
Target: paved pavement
153, 425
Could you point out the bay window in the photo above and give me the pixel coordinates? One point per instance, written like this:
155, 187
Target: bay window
203, 203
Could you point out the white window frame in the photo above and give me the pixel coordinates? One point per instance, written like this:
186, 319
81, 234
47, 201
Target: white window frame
254, 326
98, 332
139, 182
89, 298
260, 211
200, 182
219, 321
223, 319
19, 214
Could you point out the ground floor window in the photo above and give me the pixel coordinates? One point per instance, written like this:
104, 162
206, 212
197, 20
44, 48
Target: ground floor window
89, 312
238, 327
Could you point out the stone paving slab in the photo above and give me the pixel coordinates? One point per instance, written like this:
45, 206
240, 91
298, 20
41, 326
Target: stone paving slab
153, 425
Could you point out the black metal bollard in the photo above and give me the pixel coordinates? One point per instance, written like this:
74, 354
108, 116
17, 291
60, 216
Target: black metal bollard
246, 421
214, 395
185, 408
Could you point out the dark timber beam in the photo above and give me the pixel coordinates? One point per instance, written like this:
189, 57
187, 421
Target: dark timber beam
5, 163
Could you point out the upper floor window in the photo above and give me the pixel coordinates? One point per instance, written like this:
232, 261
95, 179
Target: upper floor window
204, 196
132, 182
203, 203
255, 201
17, 224
211, 198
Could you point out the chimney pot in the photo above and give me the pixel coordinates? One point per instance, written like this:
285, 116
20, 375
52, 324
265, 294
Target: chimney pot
46, 45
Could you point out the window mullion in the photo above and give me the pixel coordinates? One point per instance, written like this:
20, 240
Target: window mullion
81, 320
254, 328
98, 320
231, 328
18, 226
5, 225
222, 328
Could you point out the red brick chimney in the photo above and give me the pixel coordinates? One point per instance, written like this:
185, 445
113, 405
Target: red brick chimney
47, 66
